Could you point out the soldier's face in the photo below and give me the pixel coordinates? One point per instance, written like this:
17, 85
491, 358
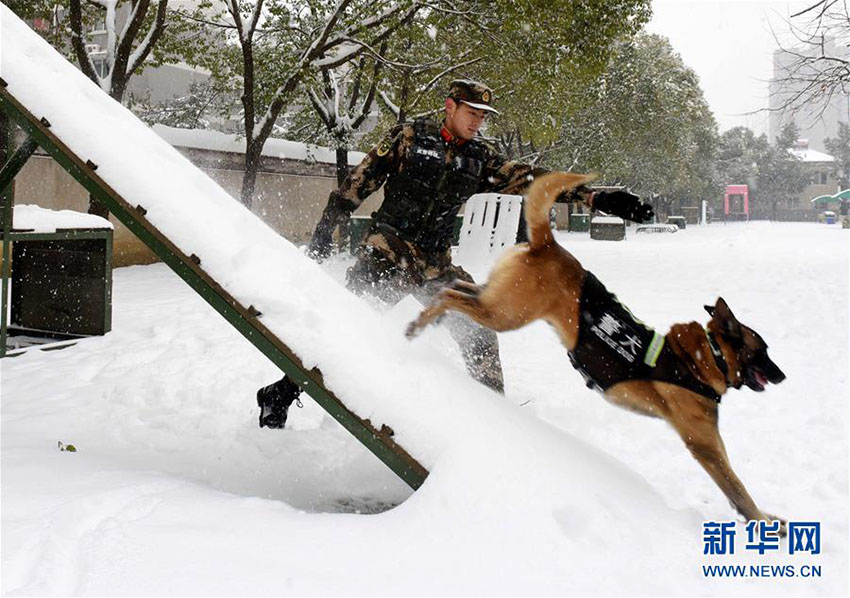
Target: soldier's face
462, 120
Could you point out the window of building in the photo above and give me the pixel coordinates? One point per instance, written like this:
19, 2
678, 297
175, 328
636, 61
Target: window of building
99, 61
99, 27
820, 177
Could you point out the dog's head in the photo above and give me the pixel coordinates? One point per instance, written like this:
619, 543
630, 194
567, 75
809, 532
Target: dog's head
743, 348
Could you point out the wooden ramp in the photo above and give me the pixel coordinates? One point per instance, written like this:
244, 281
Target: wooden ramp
38, 62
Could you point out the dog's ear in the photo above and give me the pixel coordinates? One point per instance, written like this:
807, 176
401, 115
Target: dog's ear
709, 309
728, 323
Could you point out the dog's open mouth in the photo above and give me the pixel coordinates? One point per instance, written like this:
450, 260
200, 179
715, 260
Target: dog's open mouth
756, 379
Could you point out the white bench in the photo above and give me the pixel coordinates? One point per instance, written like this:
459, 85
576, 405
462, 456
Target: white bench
657, 228
490, 222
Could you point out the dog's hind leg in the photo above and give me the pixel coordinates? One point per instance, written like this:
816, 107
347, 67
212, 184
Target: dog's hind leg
482, 308
468, 288
446, 300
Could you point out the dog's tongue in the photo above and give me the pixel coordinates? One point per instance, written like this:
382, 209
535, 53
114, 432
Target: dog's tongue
760, 378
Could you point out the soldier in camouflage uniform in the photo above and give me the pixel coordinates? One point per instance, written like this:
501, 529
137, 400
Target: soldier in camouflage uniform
429, 170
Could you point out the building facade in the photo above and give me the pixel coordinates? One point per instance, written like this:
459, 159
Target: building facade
816, 121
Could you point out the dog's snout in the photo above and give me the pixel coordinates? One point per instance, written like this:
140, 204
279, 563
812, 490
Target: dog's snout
773, 373
778, 377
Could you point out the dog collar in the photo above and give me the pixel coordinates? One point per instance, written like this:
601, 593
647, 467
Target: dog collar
718, 357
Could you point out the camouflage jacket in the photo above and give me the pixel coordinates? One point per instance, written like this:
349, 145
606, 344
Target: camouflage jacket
390, 155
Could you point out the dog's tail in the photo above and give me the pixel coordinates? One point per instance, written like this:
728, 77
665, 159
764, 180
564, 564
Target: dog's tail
539, 199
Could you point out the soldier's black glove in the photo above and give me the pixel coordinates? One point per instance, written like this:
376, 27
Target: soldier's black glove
623, 204
322, 242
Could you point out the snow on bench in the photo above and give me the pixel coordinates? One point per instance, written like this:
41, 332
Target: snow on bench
42, 220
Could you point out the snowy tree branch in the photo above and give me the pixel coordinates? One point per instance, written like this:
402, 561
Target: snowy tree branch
75, 17
363, 111
154, 33
818, 68
388, 103
319, 106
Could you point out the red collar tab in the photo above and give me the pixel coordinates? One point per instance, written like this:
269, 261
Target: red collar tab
449, 138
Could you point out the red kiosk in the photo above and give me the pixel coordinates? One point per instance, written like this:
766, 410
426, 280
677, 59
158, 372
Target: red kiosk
736, 202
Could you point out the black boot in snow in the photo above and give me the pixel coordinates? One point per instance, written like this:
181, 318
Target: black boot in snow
274, 401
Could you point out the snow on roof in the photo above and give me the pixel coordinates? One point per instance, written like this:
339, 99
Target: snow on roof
41, 220
607, 220
273, 148
810, 155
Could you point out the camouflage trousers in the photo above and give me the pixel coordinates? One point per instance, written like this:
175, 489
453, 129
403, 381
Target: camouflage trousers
390, 269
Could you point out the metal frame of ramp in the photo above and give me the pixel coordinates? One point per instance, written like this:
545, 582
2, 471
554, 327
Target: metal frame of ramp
189, 267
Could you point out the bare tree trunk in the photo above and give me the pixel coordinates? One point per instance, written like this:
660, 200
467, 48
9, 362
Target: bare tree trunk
253, 154
341, 165
5, 150
341, 174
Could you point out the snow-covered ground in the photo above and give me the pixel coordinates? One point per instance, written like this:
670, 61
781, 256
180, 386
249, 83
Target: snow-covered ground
175, 491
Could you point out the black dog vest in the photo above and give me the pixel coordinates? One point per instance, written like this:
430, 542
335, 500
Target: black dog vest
613, 346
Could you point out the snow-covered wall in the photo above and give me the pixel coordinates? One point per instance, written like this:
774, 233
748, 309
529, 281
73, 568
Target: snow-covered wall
273, 148
292, 187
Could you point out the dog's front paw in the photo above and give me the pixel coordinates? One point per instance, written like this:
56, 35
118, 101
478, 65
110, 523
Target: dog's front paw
413, 329
783, 525
767, 517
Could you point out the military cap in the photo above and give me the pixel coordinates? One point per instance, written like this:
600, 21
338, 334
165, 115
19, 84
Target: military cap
473, 93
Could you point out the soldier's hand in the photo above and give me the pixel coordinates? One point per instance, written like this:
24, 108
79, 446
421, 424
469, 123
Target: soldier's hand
334, 214
644, 213
320, 245
322, 241
623, 204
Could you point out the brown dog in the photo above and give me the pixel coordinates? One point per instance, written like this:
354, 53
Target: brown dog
679, 377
